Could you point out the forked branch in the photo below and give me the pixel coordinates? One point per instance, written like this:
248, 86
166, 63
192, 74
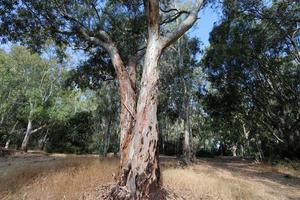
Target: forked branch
172, 36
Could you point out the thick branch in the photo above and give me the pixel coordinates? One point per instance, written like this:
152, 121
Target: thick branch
152, 13
183, 27
173, 17
40, 128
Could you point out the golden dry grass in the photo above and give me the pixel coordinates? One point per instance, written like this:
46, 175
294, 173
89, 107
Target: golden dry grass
232, 179
62, 178
202, 182
76, 177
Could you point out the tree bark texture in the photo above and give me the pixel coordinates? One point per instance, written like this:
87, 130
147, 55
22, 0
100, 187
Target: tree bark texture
141, 172
139, 165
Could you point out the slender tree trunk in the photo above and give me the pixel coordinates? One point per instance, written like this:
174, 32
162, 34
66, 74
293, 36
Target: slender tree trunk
107, 137
187, 138
9, 135
242, 150
27, 136
233, 150
7, 144
246, 135
187, 145
44, 141
258, 145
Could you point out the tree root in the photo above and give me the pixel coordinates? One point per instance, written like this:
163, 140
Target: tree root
121, 193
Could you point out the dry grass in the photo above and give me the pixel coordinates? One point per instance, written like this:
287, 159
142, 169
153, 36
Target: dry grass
74, 177
232, 179
202, 182
67, 178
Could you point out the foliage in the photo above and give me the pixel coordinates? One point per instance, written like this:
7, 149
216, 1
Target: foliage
253, 72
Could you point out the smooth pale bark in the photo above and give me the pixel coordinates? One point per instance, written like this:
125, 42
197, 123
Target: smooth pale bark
187, 142
29, 132
233, 150
246, 135
7, 144
27, 136
187, 145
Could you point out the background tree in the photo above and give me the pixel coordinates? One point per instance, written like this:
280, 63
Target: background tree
30, 100
178, 89
253, 67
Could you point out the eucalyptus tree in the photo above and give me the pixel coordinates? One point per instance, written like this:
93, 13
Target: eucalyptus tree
9, 98
178, 88
253, 68
120, 28
38, 84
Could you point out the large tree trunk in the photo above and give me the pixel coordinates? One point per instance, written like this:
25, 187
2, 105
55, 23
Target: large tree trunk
27, 136
127, 92
141, 174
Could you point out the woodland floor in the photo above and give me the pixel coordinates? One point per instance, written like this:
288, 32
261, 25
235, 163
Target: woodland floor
58, 176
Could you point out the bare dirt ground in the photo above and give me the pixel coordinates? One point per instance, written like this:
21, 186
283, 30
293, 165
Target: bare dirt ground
58, 176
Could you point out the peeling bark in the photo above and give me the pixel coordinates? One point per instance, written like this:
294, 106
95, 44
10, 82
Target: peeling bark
139, 171
141, 174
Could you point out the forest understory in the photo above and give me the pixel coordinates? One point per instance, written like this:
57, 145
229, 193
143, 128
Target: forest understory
37, 175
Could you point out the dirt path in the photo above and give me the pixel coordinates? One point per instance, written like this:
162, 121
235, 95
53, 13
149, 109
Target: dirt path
59, 176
